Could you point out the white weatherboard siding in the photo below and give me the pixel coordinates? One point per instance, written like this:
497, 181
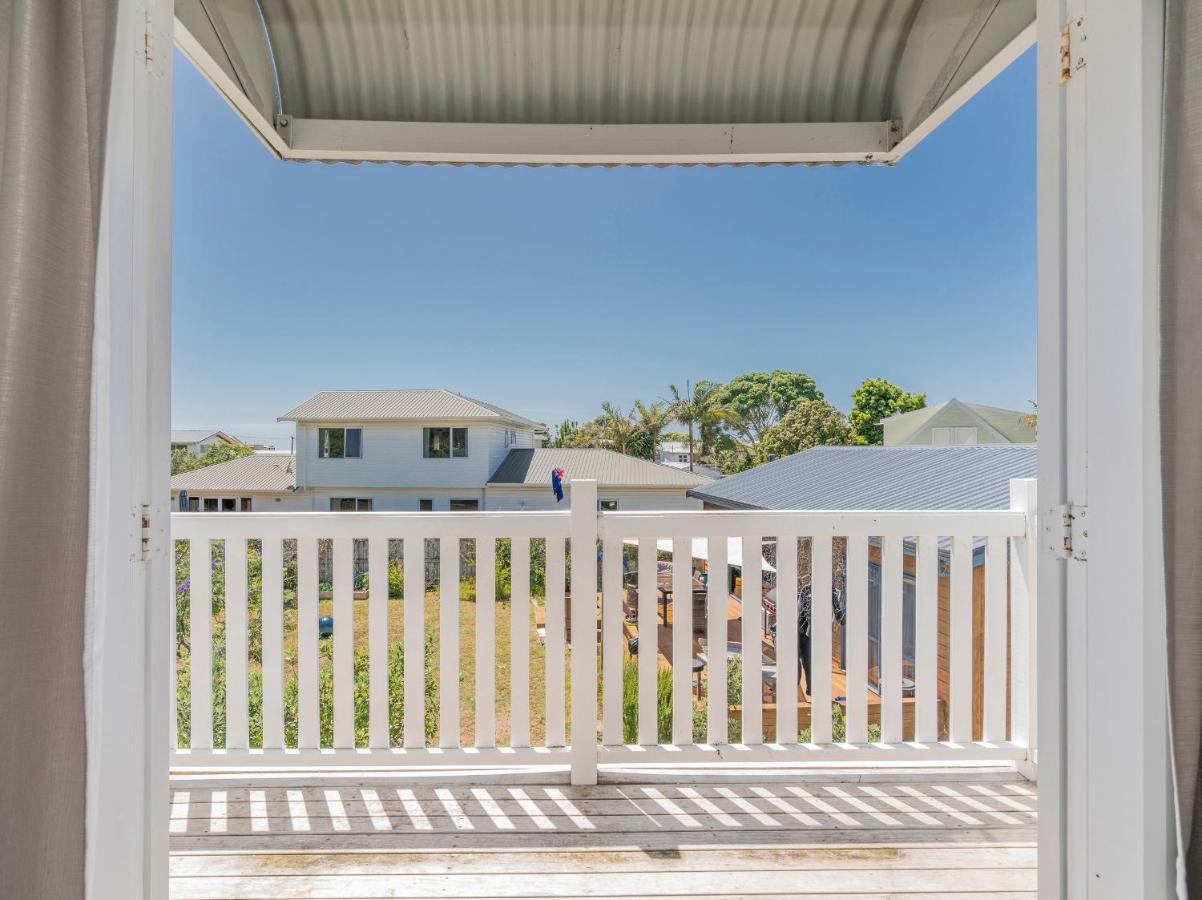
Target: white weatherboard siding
393, 457
525, 497
394, 499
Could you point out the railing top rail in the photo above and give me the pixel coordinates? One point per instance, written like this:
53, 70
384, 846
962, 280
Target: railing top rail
837, 523
395, 525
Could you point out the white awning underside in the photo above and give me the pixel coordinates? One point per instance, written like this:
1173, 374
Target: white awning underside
599, 81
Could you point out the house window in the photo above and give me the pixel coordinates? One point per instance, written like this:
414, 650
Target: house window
339, 443
511, 437
465, 505
193, 504
350, 504
607, 505
682, 457
244, 504
425, 506
444, 443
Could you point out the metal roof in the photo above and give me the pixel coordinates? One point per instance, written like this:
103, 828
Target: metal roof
257, 472
609, 468
600, 81
392, 405
966, 477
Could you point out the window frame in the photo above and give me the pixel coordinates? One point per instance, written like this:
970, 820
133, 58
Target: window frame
361, 504
345, 429
609, 504
460, 501
451, 430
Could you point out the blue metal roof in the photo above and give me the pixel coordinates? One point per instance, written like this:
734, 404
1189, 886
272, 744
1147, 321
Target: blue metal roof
905, 477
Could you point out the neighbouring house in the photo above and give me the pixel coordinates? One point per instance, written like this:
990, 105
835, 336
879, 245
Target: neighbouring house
422, 450
680, 455
261, 482
957, 422
197, 440
973, 477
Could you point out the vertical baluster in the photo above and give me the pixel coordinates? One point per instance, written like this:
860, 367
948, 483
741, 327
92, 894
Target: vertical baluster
308, 721
557, 730
273, 643
786, 639
752, 640
448, 642
857, 639
237, 728
891, 638
961, 639
200, 611
1022, 618
926, 628
648, 641
716, 636
994, 711
414, 589
377, 643
611, 642
820, 638
682, 640
519, 639
486, 641
344, 644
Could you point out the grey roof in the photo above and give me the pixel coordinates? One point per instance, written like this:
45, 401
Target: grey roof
609, 468
392, 405
257, 472
965, 477
597, 81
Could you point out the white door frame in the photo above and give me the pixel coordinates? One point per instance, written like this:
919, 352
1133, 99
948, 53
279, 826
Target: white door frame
1104, 792
130, 623
1105, 811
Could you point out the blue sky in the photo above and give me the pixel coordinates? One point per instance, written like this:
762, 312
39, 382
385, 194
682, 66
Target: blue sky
550, 290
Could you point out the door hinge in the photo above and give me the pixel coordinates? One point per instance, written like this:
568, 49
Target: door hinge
1072, 49
1071, 533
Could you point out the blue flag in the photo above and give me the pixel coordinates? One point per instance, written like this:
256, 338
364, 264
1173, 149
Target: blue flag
557, 484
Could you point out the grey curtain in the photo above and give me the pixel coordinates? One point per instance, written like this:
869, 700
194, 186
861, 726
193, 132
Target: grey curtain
55, 64
1181, 406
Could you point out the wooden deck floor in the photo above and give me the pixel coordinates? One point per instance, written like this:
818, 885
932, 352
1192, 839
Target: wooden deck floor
946, 833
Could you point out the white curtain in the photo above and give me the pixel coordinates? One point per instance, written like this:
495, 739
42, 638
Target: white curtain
55, 65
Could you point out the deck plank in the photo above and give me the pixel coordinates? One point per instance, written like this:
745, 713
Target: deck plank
933, 833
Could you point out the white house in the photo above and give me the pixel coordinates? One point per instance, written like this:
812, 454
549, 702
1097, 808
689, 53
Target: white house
420, 450
197, 440
957, 422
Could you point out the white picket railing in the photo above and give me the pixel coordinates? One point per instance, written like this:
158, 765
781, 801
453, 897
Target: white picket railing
943, 547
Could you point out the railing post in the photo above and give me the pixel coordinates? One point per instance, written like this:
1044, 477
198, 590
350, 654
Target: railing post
584, 631
1023, 554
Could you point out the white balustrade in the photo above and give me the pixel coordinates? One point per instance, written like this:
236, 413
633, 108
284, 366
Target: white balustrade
898, 698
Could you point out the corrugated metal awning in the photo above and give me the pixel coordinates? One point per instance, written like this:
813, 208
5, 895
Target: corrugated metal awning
604, 82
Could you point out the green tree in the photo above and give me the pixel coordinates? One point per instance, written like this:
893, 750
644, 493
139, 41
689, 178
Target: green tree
812, 423
184, 460
701, 407
617, 429
761, 399
565, 433
649, 423
878, 399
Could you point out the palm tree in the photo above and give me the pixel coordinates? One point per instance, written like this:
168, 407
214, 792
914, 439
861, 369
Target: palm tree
650, 424
617, 428
701, 407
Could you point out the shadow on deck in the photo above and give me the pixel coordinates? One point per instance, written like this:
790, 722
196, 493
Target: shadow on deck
647, 833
